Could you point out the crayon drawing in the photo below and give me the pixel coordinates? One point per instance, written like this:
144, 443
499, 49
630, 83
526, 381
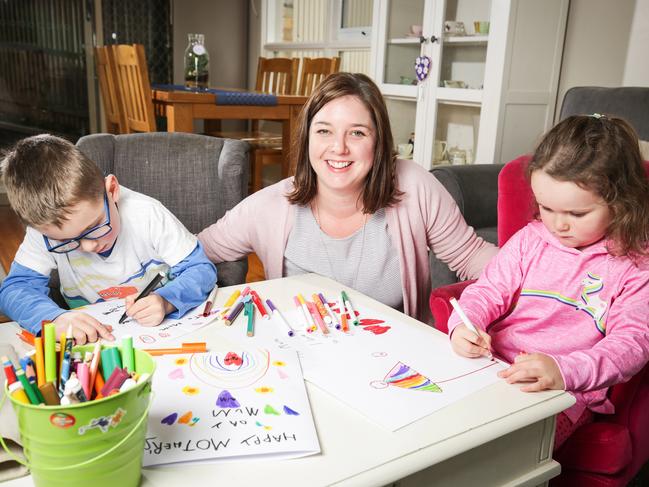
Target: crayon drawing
229, 404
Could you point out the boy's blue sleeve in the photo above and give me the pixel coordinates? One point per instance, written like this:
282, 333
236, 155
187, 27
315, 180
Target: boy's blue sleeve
192, 280
24, 298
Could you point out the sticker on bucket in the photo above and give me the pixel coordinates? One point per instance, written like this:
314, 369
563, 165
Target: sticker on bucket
104, 422
62, 420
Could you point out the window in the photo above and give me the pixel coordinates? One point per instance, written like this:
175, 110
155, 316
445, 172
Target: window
320, 28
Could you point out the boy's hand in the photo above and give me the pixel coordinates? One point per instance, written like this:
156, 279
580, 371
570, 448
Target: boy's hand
85, 328
467, 344
149, 311
540, 370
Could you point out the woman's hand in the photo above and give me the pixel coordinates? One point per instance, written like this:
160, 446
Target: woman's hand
149, 311
468, 344
537, 369
85, 328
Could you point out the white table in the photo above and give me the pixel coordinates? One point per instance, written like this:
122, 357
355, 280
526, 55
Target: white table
496, 436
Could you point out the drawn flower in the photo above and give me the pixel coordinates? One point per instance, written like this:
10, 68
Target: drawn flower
279, 363
191, 391
264, 389
180, 361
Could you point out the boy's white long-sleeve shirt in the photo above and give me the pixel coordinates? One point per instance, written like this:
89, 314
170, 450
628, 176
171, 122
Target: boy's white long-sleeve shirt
587, 309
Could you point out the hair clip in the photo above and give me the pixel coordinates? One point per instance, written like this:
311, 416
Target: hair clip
597, 116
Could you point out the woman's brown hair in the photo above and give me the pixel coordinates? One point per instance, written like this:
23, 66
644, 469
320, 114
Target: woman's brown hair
601, 154
380, 188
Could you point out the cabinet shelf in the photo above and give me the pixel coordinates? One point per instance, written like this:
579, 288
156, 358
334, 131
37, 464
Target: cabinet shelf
404, 40
466, 40
459, 96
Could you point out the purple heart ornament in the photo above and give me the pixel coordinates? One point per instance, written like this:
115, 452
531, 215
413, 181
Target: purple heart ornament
422, 67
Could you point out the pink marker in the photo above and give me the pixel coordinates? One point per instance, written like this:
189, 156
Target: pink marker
83, 374
318, 318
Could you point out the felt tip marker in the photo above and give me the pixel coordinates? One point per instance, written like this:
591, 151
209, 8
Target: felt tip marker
210, 302
467, 322
146, 291
277, 314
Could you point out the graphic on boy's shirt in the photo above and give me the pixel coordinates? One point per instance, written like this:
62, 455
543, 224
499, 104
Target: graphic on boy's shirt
91, 282
589, 301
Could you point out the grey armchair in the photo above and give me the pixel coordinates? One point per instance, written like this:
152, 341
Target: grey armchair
475, 190
198, 178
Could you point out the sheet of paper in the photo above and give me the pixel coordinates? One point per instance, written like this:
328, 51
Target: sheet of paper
109, 313
390, 372
230, 404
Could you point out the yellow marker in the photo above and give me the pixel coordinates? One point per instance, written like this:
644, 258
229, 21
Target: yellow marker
40, 361
62, 351
310, 320
18, 393
233, 297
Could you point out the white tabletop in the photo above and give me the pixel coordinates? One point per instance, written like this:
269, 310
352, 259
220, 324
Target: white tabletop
355, 451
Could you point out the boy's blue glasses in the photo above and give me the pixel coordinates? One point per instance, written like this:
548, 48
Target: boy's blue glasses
65, 246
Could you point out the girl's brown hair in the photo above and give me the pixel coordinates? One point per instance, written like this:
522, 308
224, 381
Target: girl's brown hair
380, 188
601, 154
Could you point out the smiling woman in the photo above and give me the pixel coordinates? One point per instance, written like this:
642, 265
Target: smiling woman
353, 212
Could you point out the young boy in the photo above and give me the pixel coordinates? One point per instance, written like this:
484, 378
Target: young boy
105, 240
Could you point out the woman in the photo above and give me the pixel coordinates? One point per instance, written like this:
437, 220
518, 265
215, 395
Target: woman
353, 212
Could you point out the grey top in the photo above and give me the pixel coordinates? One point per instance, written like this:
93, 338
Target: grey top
365, 261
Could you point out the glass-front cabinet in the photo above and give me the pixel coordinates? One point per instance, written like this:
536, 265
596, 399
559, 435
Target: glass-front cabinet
455, 75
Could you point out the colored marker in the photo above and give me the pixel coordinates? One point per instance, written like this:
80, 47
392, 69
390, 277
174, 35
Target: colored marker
259, 305
277, 314
236, 308
50, 352
17, 391
84, 378
249, 311
65, 371
467, 322
62, 347
94, 365
332, 315
210, 301
31, 394
317, 318
40, 361
10, 373
349, 308
128, 354
343, 316
197, 347
321, 309
231, 300
307, 313
305, 321
146, 291
50, 396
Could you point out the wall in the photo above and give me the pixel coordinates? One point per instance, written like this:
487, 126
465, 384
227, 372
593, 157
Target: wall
599, 38
636, 69
225, 25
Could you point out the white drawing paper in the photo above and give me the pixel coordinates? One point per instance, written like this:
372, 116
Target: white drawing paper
229, 404
109, 313
390, 372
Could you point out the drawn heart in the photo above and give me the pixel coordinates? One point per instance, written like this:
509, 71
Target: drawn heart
176, 374
370, 321
422, 67
169, 420
185, 418
376, 329
232, 359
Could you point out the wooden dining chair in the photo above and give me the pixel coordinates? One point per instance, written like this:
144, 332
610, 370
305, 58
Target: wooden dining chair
279, 77
314, 70
110, 95
134, 87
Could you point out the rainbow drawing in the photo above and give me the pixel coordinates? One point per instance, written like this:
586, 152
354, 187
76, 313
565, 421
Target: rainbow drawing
403, 376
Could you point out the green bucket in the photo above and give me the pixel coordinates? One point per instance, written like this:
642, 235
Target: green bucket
98, 443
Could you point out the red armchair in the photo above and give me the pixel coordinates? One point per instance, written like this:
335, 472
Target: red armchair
611, 450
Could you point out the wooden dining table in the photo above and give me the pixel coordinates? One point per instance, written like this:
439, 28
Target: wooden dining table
182, 107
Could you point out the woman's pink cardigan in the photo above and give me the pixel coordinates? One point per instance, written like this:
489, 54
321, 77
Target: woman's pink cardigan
425, 217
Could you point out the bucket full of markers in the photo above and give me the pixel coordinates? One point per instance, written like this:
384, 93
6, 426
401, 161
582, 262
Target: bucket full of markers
90, 439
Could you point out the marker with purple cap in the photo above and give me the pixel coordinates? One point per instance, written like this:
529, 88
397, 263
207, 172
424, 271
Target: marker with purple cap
276, 313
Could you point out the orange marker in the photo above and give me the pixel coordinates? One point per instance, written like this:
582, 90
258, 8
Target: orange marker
99, 384
40, 361
343, 318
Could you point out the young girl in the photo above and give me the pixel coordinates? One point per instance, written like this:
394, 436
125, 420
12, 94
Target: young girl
566, 300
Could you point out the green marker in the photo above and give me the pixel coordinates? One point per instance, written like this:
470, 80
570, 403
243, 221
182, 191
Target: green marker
128, 355
350, 308
29, 390
50, 353
249, 311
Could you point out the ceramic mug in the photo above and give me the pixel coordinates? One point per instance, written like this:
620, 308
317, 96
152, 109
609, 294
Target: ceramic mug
405, 150
439, 150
